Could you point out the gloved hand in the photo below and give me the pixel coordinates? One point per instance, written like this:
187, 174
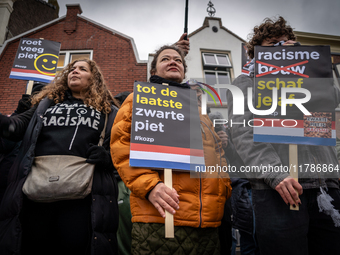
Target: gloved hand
4, 124
24, 104
99, 156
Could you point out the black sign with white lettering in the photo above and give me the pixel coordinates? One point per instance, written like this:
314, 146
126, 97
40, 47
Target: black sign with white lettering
36, 59
165, 129
302, 78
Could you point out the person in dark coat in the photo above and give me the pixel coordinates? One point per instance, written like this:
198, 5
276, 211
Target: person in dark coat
314, 228
125, 224
243, 216
10, 149
238, 210
67, 118
225, 230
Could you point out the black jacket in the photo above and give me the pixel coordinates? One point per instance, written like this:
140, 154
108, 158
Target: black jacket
104, 209
241, 205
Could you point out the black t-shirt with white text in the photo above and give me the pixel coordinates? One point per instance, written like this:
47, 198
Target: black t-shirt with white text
69, 128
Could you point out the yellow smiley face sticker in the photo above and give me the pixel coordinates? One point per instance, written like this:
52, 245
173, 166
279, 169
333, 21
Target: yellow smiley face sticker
46, 63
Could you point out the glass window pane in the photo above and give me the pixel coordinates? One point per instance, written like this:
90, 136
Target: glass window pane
223, 95
75, 56
210, 100
61, 60
209, 59
223, 78
210, 78
223, 60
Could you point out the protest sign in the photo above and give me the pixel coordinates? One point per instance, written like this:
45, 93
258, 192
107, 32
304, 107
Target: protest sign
165, 130
245, 59
36, 60
297, 72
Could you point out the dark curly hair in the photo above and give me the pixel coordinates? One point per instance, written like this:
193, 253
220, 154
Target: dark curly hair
269, 29
166, 47
96, 94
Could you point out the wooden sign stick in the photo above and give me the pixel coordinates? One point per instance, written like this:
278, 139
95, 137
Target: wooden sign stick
293, 161
169, 218
29, 87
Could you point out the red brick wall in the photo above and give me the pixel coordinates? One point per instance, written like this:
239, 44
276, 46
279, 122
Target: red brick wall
28, 14
113, 53
336, 59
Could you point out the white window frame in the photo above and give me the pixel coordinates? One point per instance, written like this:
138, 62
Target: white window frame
68, 54
216, 68
217, 87
216, 59
216, 77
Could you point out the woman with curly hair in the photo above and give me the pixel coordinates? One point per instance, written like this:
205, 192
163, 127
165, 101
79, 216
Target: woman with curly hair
67, 118
278, 229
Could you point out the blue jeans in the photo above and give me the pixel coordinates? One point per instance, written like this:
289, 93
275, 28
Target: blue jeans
248, 243
280, 230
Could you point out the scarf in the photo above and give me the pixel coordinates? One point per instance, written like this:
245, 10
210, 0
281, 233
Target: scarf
160, 80
251, 66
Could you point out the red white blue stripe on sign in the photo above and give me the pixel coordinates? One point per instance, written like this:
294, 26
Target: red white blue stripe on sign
23, 74
292, 133
165, 157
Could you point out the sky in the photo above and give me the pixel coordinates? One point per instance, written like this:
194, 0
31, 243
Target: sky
153, 23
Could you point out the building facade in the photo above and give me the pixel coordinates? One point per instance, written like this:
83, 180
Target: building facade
114, 52
19, 16
214, 58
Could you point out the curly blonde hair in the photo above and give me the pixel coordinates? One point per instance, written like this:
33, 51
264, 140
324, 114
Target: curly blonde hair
269, 29
96, 94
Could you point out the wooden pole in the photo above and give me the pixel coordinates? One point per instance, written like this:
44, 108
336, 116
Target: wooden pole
293, 161
29, 87
169, 218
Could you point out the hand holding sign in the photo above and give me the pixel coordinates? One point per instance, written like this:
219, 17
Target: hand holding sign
163, 198
287, 190
300, 68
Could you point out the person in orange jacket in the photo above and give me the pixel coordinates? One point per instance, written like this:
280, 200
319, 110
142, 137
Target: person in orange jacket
196, 203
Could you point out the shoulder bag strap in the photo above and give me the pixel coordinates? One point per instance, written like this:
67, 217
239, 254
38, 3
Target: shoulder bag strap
102, 135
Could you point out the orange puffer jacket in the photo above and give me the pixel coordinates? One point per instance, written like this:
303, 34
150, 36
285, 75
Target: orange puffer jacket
201, 199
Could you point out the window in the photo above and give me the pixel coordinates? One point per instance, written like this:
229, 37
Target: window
216, 59
215, 78
217, 69
66, 57
222, 92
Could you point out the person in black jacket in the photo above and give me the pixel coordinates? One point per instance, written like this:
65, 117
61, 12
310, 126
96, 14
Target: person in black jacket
314, 228
125, 224
67, 118
239, 206
10, 149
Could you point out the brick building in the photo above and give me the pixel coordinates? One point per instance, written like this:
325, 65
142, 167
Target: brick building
115, 53
28, 14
